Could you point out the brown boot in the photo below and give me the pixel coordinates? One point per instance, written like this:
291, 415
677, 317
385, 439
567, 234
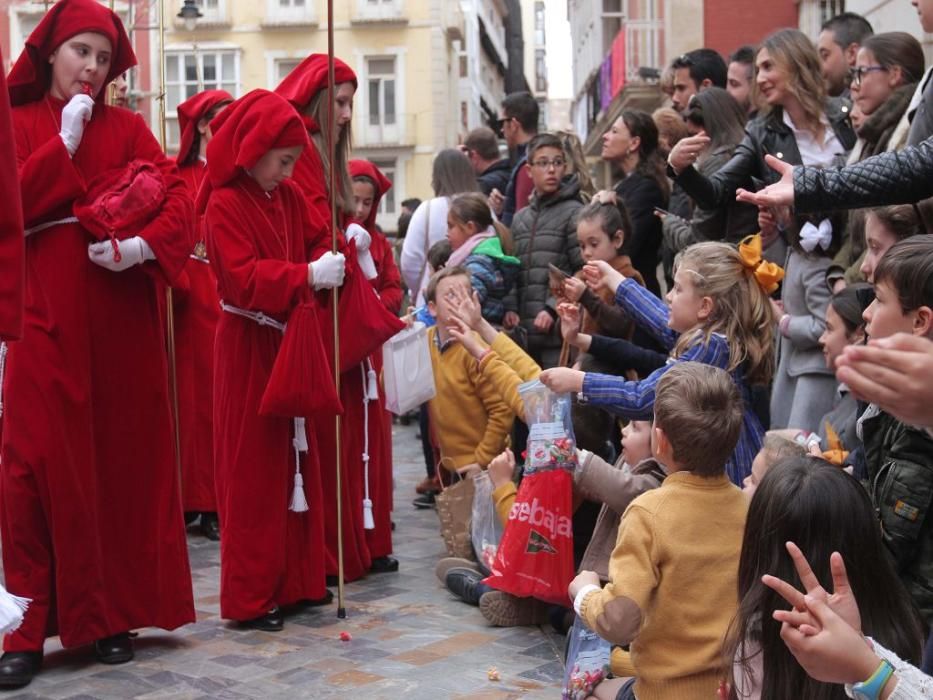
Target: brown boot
506, 610
428, 485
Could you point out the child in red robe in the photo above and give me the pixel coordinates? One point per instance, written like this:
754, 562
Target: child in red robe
369, 187
196, 311
255, 219
11, 229
90, 515
306, 89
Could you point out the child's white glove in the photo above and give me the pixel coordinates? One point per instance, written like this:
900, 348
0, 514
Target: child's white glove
327, 271
357, 233
74, 117
132, 251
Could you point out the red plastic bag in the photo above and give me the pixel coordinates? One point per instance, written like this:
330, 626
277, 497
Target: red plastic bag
301, 383
535, 557
365, 324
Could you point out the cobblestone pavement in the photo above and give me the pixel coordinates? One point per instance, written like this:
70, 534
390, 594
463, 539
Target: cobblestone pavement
410, 638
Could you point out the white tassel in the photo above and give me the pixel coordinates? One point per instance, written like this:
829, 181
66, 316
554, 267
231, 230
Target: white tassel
368, 522
299, 503
300, 441
12, 609
2, 370
372, 383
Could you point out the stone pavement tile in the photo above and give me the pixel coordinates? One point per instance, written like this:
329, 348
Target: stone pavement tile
352, 679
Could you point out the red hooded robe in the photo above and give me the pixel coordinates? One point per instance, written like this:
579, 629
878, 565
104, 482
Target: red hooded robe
299, 87
269, 555
196, 311
90, 513
11, 226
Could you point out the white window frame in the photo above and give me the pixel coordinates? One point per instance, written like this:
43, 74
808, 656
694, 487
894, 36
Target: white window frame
212, 16
278, 15
375, 10
380, 135
274, 58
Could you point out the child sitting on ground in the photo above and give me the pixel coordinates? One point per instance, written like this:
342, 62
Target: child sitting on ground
677, 553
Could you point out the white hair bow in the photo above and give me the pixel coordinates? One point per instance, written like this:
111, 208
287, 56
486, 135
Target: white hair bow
812, 236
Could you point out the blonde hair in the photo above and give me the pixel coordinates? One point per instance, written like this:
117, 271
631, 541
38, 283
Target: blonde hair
796, 55
317, 110
573, 149
741, 310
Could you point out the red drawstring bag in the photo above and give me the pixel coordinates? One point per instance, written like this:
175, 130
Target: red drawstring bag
535, 556
365, 324
120, 202
301, 383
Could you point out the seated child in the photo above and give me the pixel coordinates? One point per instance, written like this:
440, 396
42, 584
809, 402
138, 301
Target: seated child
898, 456
673, 571
475, 245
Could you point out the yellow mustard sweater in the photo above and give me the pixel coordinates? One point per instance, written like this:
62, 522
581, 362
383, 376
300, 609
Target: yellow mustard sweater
469, 419
673, 581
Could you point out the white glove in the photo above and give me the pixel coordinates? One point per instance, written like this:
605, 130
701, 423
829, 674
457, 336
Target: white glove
74, 116
357, 233
133, 251
327, 271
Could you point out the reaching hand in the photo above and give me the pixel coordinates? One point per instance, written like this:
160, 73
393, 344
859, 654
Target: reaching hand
130, 252
461, 332
841, 600
510, 320
601, 275
574, 288
606, 197
501, 468
562, 380
496, 201
569, 321
467, 308
687, 151
75, 116
779, 194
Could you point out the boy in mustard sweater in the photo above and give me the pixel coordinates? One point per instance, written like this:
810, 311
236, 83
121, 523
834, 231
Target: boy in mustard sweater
673, 572
469, 419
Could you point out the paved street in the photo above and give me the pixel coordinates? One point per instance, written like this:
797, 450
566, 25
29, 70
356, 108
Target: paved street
410, 638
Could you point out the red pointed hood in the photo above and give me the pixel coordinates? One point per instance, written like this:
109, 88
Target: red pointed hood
363, 168
32, 74
191, 111
308, 78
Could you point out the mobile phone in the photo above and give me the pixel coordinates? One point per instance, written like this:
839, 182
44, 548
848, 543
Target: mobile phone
554, 270
659, 210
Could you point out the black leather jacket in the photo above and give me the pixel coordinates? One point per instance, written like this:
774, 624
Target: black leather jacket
764, 135
895, 177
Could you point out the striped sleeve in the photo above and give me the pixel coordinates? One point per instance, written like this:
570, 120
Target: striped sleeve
649, 312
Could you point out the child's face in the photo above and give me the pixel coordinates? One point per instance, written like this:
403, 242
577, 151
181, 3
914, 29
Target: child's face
595, 244
548, 166
636, 441
458, 232
275, 166
688, 308
363, 197
835, 338
445, 295
877, 241
884, 316
760, 466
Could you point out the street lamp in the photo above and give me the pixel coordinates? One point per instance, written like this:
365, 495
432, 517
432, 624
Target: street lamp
190, 13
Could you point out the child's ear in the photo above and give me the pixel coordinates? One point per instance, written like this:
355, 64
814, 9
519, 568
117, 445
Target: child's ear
618, 239
923, 322
660, 445
432, 309
706, 308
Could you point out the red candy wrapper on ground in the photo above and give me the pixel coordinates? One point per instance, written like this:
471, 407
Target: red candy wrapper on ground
345, 637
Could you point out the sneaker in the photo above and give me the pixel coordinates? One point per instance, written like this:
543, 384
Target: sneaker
428, 485
463, 584
424, 501
448, 563
505, 610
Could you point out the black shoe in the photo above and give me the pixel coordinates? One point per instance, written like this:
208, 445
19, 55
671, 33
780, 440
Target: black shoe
331, 580
462, 582
117, 649
327, 599
190, 517
210, 526
383, 565
18, 668
424, 501
270, 622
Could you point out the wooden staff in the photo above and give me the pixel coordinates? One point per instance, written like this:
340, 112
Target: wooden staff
332, 175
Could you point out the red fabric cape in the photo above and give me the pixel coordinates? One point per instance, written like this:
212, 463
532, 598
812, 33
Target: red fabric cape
12, 243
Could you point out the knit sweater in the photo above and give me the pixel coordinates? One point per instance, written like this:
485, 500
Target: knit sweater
673, 581
469, 419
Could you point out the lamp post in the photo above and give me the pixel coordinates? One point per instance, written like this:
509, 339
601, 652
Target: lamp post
190, 13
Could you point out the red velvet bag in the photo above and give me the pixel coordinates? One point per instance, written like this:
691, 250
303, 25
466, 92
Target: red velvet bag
535, 556
301, 383
365, 324
120, 202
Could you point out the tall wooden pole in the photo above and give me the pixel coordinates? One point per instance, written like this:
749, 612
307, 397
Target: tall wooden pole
332, 159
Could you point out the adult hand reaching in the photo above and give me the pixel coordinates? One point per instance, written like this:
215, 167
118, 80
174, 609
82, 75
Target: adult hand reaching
601, 275
687, 151
780, 194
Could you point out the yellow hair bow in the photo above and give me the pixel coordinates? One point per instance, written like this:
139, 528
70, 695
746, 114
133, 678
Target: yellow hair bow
836, 454
767, 274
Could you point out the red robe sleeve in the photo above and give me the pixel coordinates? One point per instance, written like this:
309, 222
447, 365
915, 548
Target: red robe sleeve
388, 283
524, 186
170, 233
12, 269
245, 277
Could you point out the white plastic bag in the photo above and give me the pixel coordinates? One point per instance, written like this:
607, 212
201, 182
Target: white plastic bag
407, 372
485, 526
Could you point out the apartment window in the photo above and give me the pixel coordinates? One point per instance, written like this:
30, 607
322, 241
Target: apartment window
381, 86
612, 18
379, 9
388, 167
214, 10
289, 11
540, 71
831, 8
187, 74
284, 66
539, 23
